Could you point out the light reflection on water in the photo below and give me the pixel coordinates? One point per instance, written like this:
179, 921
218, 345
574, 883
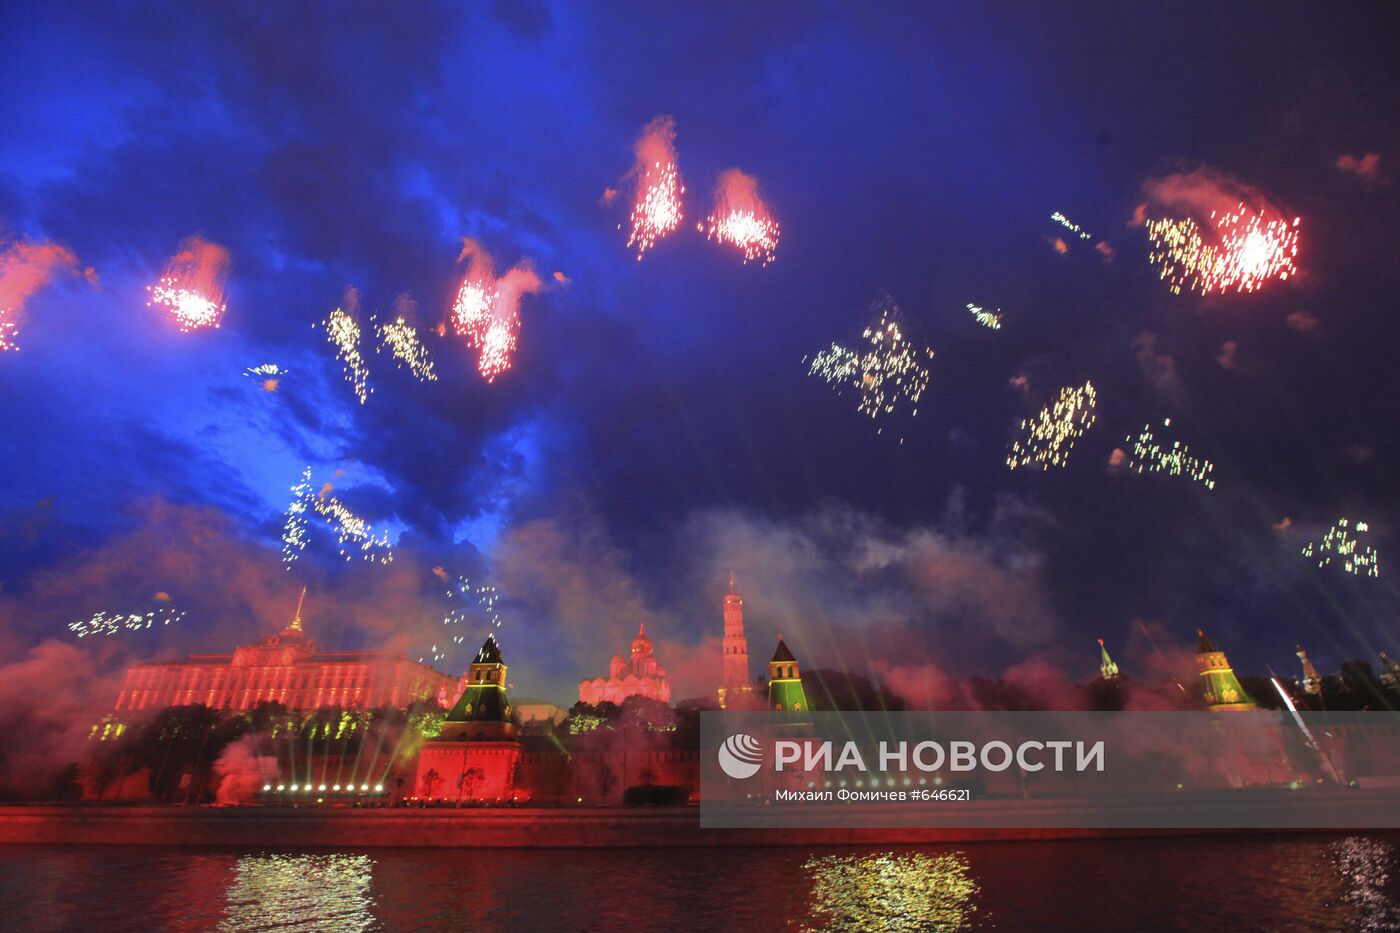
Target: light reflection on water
1225, 883
290, 892
1365, 866
909, 891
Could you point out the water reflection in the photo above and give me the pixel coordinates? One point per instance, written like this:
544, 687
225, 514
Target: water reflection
1365, 866
891, 891
291, 892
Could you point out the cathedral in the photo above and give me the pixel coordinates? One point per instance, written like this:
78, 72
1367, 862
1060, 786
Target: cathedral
640, 675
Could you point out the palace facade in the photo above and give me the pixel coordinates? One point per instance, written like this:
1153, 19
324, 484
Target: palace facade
287, 668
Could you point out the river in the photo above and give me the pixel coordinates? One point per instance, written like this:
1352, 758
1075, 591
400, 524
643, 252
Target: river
1235, 883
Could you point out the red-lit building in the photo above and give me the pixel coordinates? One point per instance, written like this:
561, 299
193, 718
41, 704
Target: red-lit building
287, 668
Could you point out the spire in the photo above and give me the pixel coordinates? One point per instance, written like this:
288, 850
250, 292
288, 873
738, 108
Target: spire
642, 629
731, 580
1312, 682
296, 619
1107, 669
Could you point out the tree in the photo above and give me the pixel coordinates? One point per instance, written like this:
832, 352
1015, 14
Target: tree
467, 781
431, 781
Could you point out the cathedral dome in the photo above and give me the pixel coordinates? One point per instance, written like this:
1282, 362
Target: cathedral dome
641, 644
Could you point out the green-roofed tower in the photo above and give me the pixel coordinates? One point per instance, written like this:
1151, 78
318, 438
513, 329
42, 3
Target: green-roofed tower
1107, 669
483, 709
785, 694
1219, 685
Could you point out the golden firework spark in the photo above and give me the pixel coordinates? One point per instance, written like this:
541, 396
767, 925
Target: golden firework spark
401, 339
741, 218
1048, 438
1149, 456
988, 319
343, 333
890, 370
1338, 542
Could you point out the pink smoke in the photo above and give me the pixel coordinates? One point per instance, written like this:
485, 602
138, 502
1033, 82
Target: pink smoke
192, 286
24, 269
242, 772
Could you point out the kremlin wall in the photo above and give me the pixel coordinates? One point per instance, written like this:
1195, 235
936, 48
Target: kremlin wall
377, 729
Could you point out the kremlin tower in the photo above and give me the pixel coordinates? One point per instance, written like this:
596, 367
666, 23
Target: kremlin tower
1312, 681
1219, 684
482, 711
475, 756
735, 682
1107, 669
785, 693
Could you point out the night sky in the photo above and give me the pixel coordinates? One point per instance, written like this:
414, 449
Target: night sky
658, 427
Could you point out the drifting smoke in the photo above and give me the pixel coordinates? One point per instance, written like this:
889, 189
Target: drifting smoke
24, 269
47, 701
657, 209
487, 309
242, 772
192, 287
741, 219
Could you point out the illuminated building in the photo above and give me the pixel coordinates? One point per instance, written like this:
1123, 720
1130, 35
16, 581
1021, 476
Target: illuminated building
735, 681
1391, 675
641, 676
785, 692
476, 755
1312, 681
287, 668
1107, 669
1219, 685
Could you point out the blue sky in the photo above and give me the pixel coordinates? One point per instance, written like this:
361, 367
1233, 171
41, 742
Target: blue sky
658, 427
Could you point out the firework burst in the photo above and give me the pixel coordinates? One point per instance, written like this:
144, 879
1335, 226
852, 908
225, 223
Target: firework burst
8, 331
351, 530
105, 623
191, 289
1047, 439
988, 319
1339, 543
1248, 251
741, 219
469, 602
1070, 225
657, 209
487, 309
1147, 455
890, 370
343, 333
401, 339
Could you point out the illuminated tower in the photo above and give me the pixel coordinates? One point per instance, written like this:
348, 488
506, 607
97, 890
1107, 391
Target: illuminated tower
735, 680
1312, 682
1107, 669
1390, 677
785, 694
483, 710
1219, 684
